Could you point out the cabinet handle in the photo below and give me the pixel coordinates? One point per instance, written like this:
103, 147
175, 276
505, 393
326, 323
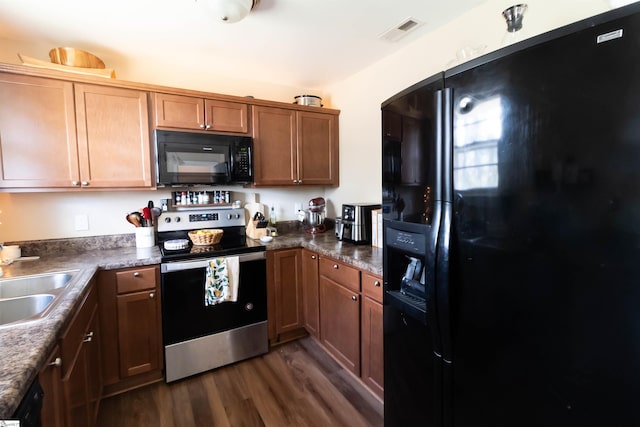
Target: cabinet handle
295, 181
207, 127
136, 274
376, 284
313, 257
335, 266
75, 183
152, 295
88, 338
354, 298
56, 362
202, 126
299, 181
85, 183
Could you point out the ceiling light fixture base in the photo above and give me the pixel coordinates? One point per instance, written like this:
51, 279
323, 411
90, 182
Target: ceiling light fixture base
229, 11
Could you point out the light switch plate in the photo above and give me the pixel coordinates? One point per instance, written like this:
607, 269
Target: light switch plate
82, 222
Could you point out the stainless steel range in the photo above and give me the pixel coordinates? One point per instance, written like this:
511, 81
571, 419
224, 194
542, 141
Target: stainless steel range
199, 337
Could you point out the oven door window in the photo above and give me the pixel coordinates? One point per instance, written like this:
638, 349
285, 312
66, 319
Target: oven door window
193, 164
184, 315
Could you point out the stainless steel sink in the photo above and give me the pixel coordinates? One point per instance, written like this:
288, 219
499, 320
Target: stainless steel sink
24, 308
27, 298
36, 284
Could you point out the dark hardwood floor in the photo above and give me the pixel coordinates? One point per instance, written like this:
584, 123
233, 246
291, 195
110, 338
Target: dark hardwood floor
295, 384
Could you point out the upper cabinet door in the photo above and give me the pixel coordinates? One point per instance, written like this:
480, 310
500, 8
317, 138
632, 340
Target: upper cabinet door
223, 116
274, 146
317, 148
193, 113
37, 133
180, 112
294, 147
113, 137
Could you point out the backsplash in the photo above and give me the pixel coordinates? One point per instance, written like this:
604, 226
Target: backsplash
113, 241
74, 245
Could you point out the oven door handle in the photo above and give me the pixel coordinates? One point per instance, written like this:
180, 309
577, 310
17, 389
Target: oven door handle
202, 263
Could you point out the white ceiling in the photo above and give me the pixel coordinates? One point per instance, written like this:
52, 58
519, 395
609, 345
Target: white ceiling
301, 43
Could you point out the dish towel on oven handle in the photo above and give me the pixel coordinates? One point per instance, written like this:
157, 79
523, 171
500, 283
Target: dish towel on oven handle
221, 280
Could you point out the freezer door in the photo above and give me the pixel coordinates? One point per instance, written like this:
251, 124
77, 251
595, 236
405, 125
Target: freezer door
545, 252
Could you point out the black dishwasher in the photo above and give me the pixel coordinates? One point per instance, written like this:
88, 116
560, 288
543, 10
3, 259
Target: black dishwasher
30, 408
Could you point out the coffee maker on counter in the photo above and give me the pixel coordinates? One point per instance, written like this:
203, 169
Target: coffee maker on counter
314, 216
355, 223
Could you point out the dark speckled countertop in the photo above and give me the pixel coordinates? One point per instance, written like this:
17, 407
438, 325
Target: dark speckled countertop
25, 347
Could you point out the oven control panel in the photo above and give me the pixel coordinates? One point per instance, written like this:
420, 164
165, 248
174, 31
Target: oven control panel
190, 220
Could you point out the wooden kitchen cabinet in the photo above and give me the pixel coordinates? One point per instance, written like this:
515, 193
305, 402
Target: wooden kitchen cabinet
372, 350
56, 134
81, 364
50, 378
38, 145
310, 293
192, 113
113, 137
284, 295
132, 326
340, 312
294, 147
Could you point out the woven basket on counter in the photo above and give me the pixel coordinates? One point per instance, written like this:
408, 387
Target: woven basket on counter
206, 237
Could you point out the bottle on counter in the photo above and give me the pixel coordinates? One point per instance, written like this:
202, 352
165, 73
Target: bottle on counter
272, 216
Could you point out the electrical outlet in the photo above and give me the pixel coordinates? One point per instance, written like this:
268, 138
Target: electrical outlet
82, 222
297, 207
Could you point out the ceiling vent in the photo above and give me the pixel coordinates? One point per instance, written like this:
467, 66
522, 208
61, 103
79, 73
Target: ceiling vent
399, 31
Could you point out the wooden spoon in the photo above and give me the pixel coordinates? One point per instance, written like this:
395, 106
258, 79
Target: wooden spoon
134, 218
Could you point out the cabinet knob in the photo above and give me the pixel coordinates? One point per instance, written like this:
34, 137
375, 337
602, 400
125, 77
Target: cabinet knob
207, 127
88, 337
354, 298
295, 181
75, 183
136, 274
299, 181
313, 257
335, 266
56, 362
152, 295
85, 183
202, 126
376, 284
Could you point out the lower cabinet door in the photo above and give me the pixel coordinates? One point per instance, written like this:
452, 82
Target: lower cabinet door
287, 291
372, 348
139, 333
340, 323
310, 293
50, 379
76, 393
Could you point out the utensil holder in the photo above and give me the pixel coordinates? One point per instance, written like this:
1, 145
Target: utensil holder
145, 237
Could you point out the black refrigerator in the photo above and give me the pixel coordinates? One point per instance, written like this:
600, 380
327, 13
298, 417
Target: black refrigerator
511, 204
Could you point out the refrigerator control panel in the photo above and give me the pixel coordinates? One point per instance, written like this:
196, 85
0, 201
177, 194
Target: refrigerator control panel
406, 241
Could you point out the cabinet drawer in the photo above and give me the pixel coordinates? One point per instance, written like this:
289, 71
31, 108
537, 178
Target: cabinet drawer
341, 273
372, 286
134, 280
78, 329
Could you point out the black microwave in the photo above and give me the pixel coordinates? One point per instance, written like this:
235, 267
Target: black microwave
190, 158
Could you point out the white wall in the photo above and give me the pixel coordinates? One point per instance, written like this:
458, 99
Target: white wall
359, 97
33, 216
